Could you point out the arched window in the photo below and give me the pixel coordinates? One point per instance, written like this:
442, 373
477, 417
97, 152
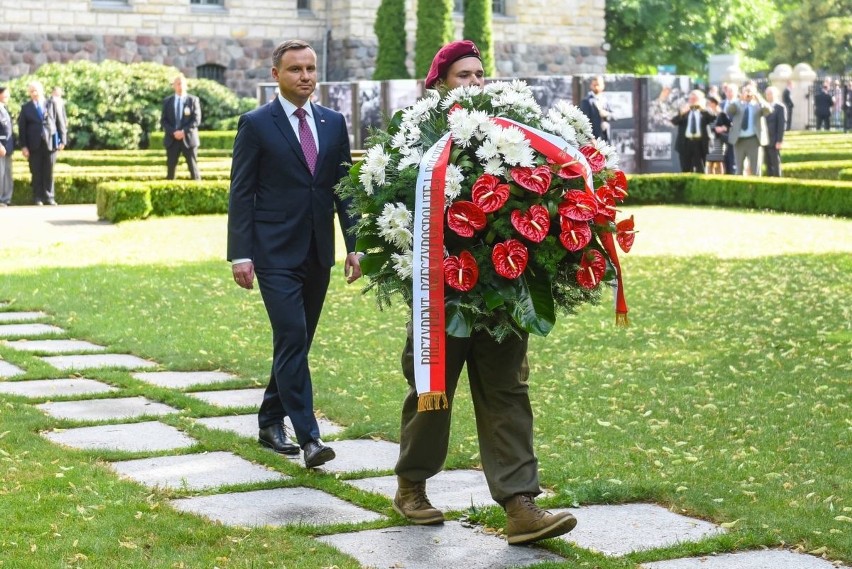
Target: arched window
211, 71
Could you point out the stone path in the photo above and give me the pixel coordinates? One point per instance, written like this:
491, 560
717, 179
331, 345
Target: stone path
609, 530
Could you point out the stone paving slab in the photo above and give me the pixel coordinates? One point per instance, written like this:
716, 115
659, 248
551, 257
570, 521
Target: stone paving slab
106, 409
448, 490
771, 559
21, 316
182, 379
356, 455
232, 397
54, 346
89, 361
428, 547
246, 425
279, 507
55, 387
22, 330
10, 370
195, 471
133, 437
618, 530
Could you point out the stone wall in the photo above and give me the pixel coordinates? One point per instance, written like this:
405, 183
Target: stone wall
535, 37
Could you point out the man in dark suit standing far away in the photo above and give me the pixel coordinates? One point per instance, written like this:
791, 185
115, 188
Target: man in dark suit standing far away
180, 118
41, 133
776, 123
288, 156
596, 107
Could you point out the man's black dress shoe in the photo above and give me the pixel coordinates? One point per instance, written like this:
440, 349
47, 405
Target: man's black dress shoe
317, 454
276, 437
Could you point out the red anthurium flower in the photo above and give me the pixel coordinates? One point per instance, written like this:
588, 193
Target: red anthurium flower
606, 203
461, 272
534, 224
489, 194
625, 234
596, 160
575, 234
618, 184
567, 170
536, 180
465, 218
592, 269
578, 205
510, 258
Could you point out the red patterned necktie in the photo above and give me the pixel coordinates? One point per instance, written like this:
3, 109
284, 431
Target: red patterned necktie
306, 138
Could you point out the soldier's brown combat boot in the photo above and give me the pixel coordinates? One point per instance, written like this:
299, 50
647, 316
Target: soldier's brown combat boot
412, 504
526, 522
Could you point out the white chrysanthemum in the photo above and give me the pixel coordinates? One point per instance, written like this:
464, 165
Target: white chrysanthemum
395, 225
462, 127
460, 94
556, 123
576, 118
398, 140
413, 158
494, 166
402, 264
609, 152
452, 183
373, 168
487, 150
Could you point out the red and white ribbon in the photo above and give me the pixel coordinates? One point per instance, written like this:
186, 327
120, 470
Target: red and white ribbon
428, 322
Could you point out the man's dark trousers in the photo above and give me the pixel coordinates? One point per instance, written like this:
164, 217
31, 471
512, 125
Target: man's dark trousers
41, 162
190, 154
498, 374
293, 299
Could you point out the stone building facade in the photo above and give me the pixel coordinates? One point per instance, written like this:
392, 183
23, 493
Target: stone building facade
232, 40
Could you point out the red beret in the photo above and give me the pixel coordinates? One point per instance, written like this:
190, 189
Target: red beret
448, 55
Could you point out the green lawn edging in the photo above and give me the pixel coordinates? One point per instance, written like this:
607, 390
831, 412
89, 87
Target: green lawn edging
222, 139
124, 200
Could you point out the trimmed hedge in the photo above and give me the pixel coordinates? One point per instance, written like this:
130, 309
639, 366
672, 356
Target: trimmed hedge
845, 174
829, 170
120, 201
216, 139
824, 154
819, 197
81, 187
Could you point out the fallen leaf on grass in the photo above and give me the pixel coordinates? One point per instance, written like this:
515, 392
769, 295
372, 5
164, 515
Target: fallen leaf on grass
728, 525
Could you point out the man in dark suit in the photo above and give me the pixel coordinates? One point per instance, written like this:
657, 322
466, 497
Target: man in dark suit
288, 156
787, 97
723, 126
179, 119
776, 122
42, 133
596, 107
823, 102
7, 147
693, 138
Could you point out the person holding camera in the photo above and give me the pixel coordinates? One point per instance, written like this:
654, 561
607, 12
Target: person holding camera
748, 132
693, 137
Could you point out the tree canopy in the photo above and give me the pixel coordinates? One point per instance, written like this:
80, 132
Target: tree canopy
818, 32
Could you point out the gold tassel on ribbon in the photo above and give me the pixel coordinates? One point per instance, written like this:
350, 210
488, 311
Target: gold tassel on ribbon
621, 320
432, 401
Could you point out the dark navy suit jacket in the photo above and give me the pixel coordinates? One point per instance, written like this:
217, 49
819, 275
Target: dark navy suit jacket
276, 205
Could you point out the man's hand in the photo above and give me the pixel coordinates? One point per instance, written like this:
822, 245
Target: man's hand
778, 145
244, 274
2, 151
61, 147
352, 267
179, 135
25, 151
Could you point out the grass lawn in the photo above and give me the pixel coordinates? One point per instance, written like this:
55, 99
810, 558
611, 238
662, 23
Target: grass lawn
728, 398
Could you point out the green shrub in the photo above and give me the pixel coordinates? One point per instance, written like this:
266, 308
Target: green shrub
189, 198
477, 28
434, 29
656, 188
845, 174
390, 31
118, 105
81, 186
208, 139
815, 170
814, 154
120, 201
150, 158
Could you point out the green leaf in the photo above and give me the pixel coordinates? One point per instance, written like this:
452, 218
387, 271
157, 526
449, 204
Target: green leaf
366, 242
459, 321
493, 299
372, 263
534, 311
355, 172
